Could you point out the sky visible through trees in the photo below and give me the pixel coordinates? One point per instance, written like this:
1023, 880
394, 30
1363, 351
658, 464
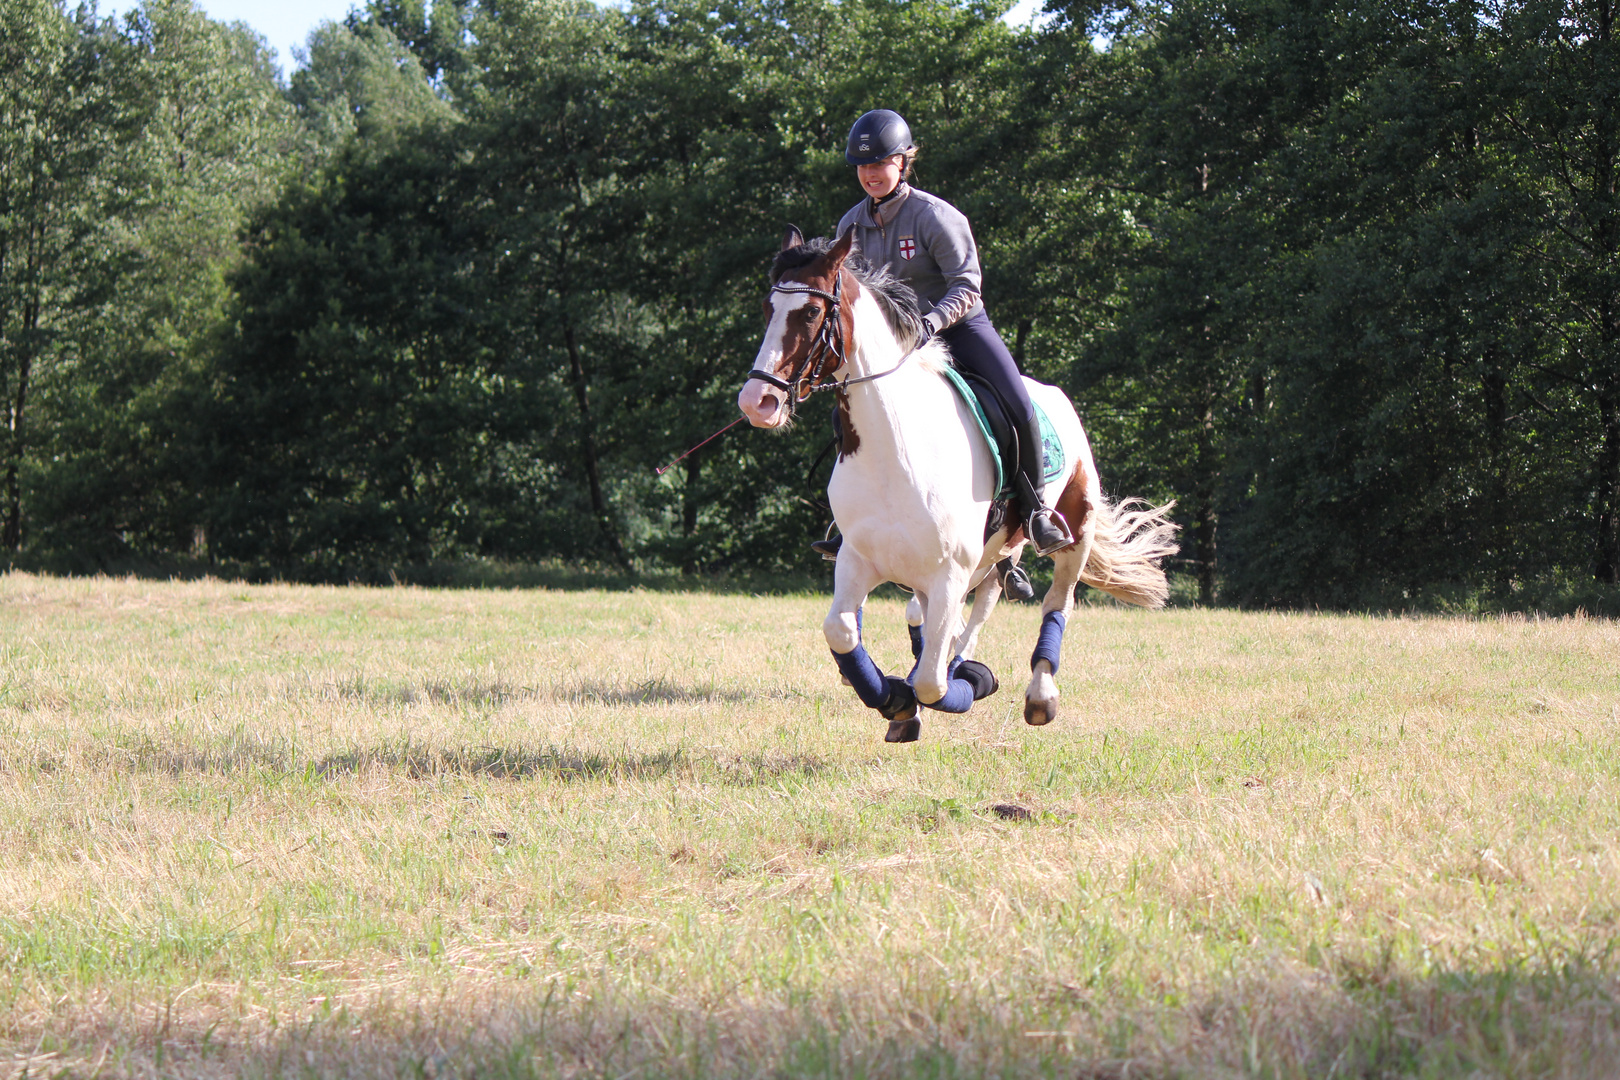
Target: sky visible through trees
1340, 278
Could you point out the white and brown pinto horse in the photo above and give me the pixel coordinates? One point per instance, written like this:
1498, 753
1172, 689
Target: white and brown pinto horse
914, 485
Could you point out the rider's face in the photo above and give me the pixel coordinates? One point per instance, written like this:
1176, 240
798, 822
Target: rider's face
880, 179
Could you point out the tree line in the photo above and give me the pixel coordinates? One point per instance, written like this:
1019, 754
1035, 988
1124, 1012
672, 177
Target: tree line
1340, 277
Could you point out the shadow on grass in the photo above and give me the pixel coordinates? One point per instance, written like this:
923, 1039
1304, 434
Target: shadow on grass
659, 691
768, 768
503, 763
281, 760
1500, 1022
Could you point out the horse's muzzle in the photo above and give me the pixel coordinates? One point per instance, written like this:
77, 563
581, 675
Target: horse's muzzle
763, 405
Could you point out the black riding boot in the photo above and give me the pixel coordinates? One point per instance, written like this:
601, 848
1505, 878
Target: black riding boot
1015, 584
1046, 529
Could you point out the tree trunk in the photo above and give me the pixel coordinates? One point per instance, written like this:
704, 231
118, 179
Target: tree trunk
1204, 518
1607, 564
1498, 518
689, 510
587, 448
11, 530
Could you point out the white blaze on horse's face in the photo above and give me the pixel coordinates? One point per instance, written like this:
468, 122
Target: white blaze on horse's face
763, 404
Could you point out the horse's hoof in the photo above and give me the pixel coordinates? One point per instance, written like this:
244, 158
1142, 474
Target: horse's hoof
901, 703
978, 676
903, 730
1039, 713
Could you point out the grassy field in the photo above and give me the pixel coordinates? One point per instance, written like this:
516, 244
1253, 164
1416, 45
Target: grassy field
277, 830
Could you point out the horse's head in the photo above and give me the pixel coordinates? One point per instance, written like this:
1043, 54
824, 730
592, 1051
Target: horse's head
808, 318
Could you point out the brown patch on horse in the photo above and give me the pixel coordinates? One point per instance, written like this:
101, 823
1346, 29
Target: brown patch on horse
798, 338
849, 440
823, 274
1075, 502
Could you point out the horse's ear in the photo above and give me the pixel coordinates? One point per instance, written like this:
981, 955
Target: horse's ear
793, 238
840, 250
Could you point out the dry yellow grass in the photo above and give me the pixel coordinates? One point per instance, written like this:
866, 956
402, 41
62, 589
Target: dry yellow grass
286, 830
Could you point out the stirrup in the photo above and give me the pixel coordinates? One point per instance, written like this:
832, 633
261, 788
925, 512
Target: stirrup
1047, 531
1015, 584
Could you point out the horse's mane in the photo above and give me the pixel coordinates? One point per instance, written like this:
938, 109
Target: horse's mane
894, 297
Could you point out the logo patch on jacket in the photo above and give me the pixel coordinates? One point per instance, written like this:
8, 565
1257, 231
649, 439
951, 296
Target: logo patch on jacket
908, 247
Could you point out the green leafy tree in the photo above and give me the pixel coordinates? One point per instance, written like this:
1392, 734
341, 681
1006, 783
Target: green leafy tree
57, 128
438, 33
1185, 112
1559, 68
360, 82
202, 134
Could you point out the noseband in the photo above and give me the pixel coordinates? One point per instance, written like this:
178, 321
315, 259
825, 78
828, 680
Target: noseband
827, 346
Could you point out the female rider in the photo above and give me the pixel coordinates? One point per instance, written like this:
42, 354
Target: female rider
928, 244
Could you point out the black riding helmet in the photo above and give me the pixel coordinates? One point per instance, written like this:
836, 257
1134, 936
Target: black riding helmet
879, 134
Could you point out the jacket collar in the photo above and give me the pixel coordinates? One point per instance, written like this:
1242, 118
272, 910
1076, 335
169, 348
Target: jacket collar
888, 206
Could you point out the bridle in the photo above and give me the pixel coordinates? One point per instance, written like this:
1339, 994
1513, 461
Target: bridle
828, 344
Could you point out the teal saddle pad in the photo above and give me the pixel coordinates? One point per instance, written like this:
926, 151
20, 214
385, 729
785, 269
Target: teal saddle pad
1051, 448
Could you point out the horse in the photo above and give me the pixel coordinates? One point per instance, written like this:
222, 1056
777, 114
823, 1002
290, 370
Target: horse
913, 488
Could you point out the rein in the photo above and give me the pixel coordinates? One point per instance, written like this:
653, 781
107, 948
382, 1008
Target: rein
829, 342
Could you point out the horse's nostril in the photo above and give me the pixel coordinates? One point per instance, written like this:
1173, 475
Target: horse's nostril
768, 405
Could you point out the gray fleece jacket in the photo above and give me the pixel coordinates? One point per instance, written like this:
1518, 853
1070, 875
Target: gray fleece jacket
927, 243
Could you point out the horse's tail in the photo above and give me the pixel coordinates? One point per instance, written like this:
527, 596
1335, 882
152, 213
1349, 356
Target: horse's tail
1132, 538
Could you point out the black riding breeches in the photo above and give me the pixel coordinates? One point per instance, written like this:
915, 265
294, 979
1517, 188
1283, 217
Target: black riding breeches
978, 348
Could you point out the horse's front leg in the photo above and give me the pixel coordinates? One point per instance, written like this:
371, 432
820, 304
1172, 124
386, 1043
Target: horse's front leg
942, 615
853, 580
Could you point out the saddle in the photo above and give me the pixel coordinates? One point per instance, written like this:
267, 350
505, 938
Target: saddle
1002, 434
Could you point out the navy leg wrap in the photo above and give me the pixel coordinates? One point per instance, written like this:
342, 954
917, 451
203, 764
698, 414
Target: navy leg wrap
1050, 644
958, 697
958, 693
863, 675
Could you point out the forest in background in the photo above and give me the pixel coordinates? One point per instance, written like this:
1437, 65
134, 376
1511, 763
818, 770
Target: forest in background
1340, 277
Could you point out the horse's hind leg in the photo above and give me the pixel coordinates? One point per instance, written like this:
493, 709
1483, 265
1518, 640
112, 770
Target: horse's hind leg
890, 696
914, 627
985, 595
1041, 697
